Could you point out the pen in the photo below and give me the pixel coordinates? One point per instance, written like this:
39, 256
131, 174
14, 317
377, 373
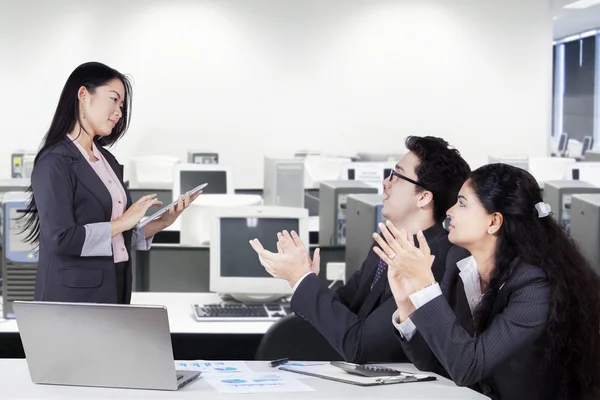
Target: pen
276, 363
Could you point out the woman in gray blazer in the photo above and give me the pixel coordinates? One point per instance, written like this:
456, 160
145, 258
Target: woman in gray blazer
81, 214
517, 314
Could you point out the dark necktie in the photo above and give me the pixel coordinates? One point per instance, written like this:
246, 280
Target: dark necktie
381, 269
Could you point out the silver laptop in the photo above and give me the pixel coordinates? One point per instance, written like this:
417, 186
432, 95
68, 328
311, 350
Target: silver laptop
106, 345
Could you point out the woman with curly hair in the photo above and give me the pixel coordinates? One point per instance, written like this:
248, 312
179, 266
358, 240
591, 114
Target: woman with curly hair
517, 314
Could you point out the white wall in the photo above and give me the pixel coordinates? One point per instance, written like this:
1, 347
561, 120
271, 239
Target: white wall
249, 77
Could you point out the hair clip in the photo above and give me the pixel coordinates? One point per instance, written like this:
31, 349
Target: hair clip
543, 209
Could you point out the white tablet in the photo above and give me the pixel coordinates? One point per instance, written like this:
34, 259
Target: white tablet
163, 210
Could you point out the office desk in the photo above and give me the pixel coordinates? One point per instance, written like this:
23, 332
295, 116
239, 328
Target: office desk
191, 339
15, 384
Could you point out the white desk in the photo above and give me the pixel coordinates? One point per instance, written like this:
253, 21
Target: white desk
313, 225
181, 319
15, 384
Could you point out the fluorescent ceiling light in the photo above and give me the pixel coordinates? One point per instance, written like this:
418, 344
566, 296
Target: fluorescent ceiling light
582, 4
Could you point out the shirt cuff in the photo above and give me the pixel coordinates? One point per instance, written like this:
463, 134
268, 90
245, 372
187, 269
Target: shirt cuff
139, 241
98, 240
300, 281
407, 329
424, 296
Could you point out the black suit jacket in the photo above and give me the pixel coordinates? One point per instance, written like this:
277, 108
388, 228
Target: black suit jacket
68, 195
503, 362
355, 319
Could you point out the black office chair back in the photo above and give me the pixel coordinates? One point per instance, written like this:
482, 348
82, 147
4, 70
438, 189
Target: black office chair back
296, 339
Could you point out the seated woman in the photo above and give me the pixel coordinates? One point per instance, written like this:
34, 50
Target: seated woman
518, 317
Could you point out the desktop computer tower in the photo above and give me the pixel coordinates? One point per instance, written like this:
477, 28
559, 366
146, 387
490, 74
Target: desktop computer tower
559, 195
333, 202
363, 214
21, 165
283, 182
202, 157
19, 259
585, 226
516, 161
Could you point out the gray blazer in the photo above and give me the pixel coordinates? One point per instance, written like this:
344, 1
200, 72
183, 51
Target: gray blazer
503, 362
74, 207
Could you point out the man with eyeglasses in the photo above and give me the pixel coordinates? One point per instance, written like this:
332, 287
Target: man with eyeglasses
355, 319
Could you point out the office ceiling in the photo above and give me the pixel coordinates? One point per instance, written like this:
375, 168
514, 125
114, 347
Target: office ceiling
569, 22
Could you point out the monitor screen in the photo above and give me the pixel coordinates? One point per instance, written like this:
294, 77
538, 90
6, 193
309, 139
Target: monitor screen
587, 144
238, 259
217, 181
386, 173
562, 144
163, 195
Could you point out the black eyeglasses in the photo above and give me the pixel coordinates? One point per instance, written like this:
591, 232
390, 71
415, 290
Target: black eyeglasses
406, 178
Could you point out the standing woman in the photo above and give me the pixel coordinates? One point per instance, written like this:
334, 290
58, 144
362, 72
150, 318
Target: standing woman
81, 214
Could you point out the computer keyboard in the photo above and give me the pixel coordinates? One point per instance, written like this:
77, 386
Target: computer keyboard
241, 312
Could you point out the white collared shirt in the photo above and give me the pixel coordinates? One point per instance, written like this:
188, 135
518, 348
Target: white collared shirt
470, 278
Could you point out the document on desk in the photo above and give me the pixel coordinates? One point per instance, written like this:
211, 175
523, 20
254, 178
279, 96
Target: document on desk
332, 373
211, 368
257, 383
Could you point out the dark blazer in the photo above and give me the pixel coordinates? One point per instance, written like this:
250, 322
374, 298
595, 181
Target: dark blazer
503, 362
354, 318
68, 195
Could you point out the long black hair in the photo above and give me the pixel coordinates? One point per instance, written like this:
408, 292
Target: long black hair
91, 75
572, 351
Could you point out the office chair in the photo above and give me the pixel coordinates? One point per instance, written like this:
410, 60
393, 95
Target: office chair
296, 339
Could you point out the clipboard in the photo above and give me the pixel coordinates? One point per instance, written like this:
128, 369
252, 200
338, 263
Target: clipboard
332, 373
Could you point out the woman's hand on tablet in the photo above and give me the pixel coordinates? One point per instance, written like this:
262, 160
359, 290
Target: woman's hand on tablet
175, 211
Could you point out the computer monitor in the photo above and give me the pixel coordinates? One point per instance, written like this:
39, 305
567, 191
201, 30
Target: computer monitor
202, 157
163, 195
372, 173
152, 172
589, 172
563, 143
187, 176
546, 169
514, 160
588, 142
322, 168
234, 266
195, 226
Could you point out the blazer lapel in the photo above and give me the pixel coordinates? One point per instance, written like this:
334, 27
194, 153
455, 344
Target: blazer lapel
465, 318
90, 179
503, 294
373, 295
118, 169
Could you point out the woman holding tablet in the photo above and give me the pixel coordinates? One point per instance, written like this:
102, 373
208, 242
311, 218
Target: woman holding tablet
81, 215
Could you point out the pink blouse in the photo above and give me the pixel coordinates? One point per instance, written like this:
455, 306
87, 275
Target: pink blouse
117, 193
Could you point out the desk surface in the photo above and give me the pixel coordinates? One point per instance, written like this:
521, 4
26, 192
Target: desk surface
181, 319
313, 225
15, 383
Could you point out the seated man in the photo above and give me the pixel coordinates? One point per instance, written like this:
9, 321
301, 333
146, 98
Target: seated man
355, 318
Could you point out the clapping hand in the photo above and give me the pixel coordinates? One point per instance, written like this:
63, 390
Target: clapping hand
291, 262
409, 266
